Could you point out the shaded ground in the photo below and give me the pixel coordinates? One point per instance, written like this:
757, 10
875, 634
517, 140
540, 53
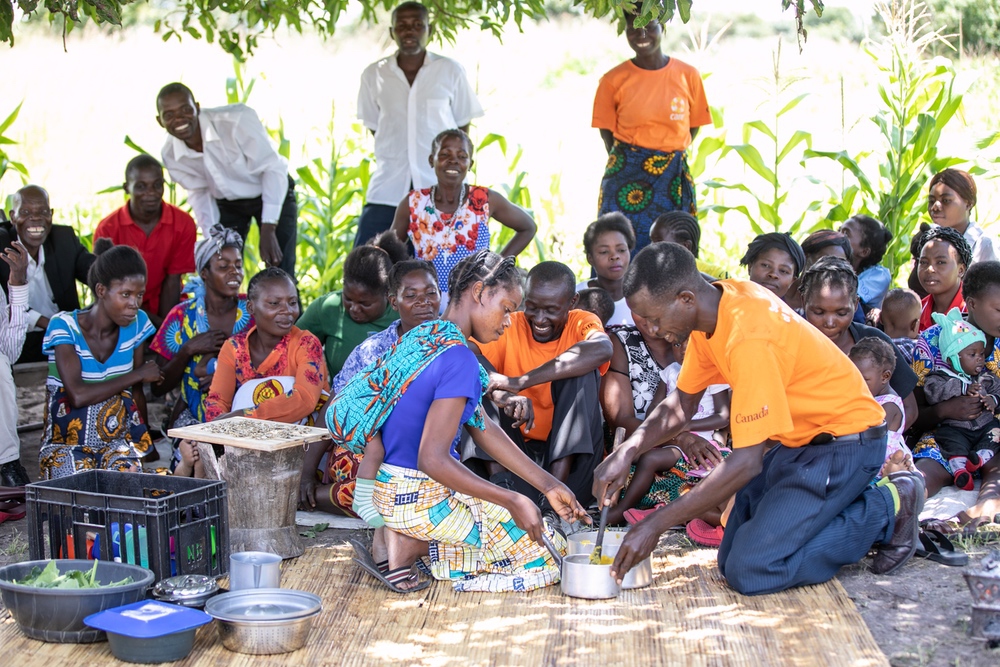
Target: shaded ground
919, 616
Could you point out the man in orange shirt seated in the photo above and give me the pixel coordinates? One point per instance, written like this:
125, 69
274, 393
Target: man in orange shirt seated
554, 356
808, 438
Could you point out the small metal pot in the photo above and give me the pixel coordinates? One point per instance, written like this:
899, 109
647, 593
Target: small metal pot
640, 576
580, 579
189, 590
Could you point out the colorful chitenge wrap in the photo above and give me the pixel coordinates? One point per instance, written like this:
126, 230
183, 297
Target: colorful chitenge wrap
643, 184
473, 543
357, 413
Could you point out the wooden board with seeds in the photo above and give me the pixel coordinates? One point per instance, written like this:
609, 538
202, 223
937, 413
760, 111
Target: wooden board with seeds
248, 433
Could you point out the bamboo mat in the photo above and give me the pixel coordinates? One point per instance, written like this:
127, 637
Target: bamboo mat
687, 617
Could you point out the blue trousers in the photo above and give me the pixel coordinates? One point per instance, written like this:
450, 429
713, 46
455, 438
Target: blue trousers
810, 511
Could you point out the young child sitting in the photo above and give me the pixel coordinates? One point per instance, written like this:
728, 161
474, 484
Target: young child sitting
712, 416
900, 319
597, 301
608, 244
967, 444
876, 360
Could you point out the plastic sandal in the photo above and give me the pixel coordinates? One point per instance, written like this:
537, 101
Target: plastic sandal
700, 532
367, 563
935, 546
12, 509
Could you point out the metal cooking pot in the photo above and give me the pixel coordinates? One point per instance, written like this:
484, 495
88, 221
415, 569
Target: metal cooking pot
580, 579
639, 576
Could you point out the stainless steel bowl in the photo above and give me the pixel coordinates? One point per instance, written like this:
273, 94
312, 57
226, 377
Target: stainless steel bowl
583, 543
264, 621
265, 637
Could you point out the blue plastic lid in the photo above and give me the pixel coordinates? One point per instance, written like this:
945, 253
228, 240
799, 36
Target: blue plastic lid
147, 618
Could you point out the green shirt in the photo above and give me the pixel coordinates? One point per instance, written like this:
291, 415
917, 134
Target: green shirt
327, 320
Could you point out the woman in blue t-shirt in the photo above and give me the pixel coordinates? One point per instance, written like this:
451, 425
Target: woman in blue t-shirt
481, 536
96, 373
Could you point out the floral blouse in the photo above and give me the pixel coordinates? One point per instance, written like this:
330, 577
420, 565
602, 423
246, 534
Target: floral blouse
299, 354
446, 239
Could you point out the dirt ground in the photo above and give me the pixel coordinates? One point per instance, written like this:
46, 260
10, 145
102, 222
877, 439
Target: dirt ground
919, 616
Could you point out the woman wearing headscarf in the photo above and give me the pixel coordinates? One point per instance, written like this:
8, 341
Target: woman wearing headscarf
195, 330
774, 261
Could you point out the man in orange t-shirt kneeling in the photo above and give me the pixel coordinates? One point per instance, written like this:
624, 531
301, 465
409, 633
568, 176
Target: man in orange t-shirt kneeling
554, 356
808, 438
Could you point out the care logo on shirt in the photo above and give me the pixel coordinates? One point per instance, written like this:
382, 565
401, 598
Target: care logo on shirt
752, 417
678, 108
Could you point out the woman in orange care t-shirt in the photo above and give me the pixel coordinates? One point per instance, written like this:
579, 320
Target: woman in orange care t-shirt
648, 110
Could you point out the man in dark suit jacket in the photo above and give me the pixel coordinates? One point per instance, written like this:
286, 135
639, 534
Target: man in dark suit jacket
57, 260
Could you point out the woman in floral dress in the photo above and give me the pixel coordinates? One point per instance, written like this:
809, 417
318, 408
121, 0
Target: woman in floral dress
450, 220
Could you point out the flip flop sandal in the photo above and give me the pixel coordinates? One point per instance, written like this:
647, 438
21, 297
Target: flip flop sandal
935, 546
390, 579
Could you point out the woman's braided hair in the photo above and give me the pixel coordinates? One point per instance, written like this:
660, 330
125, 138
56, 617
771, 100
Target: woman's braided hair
486, 267
948, 235
829, 271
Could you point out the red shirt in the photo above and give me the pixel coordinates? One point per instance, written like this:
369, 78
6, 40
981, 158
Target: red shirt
927, 307
168, 250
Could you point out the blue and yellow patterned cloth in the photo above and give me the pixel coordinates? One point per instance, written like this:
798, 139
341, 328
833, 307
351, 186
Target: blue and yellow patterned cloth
357, 413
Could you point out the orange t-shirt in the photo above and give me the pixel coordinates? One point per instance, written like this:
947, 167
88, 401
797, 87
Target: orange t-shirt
516, 352
654, 109
790, 382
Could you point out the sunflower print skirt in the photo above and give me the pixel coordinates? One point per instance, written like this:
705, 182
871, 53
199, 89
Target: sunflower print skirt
109, 435
644, 184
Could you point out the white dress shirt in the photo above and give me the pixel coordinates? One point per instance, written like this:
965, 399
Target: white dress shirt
41, 301
237, 161
405, 120
981, 244
13, 322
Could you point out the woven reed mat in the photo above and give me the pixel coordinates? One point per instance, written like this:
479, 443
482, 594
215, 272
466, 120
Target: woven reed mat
687, 617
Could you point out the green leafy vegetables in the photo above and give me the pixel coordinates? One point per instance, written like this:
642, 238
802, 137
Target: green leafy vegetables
50, 578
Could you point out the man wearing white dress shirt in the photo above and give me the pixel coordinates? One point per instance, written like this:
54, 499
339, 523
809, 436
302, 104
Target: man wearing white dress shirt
406, 99
224, 158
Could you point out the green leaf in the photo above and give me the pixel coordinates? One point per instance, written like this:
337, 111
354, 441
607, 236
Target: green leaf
799, 137
684, 9
760, 127
13, 114
794, 102
134, 146
751, 158
491, 138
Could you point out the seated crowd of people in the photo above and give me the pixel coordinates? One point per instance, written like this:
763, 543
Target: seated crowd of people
471, 402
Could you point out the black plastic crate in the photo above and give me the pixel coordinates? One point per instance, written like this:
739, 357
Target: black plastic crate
172, 525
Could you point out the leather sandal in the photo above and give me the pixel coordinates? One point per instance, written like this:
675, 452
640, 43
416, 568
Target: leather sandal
389, 578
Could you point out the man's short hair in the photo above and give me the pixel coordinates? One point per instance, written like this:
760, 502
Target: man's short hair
410, 5
142, 161
175, 88
554, 273
663, 269
16, 198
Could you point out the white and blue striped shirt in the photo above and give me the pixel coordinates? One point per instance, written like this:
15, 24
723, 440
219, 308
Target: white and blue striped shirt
64, 329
